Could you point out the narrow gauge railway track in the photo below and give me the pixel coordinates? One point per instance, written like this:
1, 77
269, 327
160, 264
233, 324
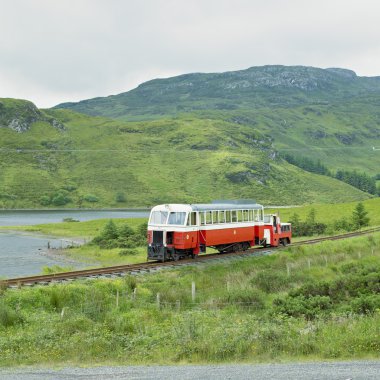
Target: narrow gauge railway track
338, 237
121, 270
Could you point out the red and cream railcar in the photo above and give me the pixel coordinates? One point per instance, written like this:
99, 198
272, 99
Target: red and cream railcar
177, 230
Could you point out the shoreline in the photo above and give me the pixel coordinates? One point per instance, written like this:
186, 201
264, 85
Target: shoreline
54, 253
73, 209
58, 254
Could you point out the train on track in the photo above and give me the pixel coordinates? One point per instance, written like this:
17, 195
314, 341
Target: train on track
177, 231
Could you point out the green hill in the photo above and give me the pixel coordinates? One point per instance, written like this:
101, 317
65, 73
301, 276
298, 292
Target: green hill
94, 162
326, 114
194, 138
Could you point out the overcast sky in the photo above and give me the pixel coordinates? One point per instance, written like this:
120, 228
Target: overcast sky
56, 51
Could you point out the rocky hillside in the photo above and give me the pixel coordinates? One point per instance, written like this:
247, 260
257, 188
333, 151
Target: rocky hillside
254, 88
20, 115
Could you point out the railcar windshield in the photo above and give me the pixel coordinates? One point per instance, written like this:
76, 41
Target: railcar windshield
177, 218
158, 217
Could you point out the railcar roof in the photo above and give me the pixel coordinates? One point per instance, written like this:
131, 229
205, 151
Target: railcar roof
225, 206
208, 207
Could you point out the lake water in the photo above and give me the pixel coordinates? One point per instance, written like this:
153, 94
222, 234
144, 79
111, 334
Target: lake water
24, 218
24, 254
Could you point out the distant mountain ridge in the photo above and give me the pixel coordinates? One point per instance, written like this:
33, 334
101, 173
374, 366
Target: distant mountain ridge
255, 87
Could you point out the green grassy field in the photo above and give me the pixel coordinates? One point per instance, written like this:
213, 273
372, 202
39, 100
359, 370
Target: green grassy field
305, 303
95, 162
328, 213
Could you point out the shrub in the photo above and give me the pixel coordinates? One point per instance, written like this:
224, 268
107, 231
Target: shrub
8, 317
120, 197
124, 237
342, 225
129, 242
130, 282
312, 289
45, 200
91, 198
366, 304
108, 237
309, 227
301, 306
60, 199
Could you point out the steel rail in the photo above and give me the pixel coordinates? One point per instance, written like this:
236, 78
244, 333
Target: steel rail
153, 265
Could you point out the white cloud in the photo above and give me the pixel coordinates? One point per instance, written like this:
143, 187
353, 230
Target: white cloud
53, 51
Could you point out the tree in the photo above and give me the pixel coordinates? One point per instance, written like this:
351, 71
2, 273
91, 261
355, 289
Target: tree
359, 216
120, 197
108, 237
311, 217
110, 231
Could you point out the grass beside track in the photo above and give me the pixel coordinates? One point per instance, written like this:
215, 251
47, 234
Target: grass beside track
309, 302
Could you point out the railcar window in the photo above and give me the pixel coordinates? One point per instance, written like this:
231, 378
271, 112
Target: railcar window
250, 216
208, 217
177, 218
193, 218
234, 216
215, 216
202, 217
261, 214
158, 217
228, 216
267, 219
221, 217
240, 216
245, 215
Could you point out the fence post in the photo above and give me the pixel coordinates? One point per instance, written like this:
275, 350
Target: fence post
308, 263
325, 257
134, 293
63, 312
193, 291
117, 299
158, 300
178, 303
